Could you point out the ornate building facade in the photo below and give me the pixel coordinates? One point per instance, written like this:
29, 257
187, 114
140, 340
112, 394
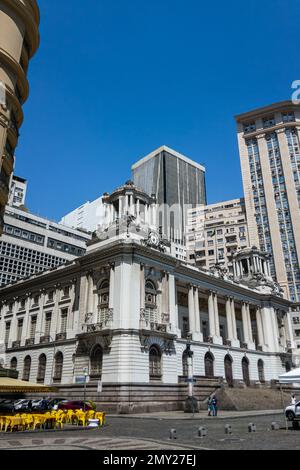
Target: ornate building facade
127, 310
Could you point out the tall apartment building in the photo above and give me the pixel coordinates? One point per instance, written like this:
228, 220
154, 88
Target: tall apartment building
215, 232
19, 40
177, 183
270, 158
87, 217
17, 192
31, 244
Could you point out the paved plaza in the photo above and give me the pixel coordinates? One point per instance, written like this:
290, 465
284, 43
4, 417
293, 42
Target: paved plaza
152, 433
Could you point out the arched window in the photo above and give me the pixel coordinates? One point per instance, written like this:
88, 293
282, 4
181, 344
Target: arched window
150, 292
155, 363
246, 373
261, 371
14, 363
96, 362
151, 311
185, 368
209, 365
27, 367
103, 302
228, 370
58, 367
41, 369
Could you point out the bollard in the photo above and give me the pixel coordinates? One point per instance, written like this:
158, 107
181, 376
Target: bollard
251, 427
173, 434
228, 429
202, 432
275, 426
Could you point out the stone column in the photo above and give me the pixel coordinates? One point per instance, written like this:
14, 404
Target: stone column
198, 334
172, 304
245, 324
217, 320
260, 333
249, 323
13, 325
40, 314
91, 295
191, 310
26, 321
211, 314
120, 207
235, 341
142, 286
138, 209
111, 286
229, 320
55, 321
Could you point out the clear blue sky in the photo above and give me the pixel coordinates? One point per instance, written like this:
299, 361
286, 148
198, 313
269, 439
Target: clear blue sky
114, 79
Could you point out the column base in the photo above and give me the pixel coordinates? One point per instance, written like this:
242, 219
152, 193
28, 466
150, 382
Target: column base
251, 346
233, 343
197, 337
217, 340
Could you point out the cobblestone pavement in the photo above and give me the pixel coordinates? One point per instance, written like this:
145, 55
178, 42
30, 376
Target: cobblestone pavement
153, 434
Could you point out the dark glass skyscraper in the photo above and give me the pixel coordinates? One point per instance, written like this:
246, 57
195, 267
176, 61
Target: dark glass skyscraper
178, 184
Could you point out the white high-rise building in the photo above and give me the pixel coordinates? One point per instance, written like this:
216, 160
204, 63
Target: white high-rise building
88, 216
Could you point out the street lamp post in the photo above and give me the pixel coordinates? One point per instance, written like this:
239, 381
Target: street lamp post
86, 373
191, 403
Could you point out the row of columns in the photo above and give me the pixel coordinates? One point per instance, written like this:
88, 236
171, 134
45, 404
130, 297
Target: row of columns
132, 205
214, 321
257, 266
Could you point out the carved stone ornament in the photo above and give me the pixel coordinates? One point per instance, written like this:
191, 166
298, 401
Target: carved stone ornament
165, 343
86, 344
155, 241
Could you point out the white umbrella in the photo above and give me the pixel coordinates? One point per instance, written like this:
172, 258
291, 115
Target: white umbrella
291, 377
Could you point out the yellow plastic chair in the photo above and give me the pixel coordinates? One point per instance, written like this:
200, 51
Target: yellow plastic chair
102, 418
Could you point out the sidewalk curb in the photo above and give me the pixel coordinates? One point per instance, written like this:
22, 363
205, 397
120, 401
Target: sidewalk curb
199, 418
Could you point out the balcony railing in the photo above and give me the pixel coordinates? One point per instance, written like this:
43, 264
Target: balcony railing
61, 337
45, 339
29, 342
16, 344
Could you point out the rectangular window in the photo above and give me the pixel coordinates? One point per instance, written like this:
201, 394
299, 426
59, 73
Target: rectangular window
48, 323
7, 331
33, 327
64, 319
20, 329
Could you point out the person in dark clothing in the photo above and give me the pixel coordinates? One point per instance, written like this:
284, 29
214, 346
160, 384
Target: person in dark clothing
214, 403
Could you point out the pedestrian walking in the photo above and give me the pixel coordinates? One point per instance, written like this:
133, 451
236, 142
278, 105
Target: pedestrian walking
215, 406
209, 406
293, 400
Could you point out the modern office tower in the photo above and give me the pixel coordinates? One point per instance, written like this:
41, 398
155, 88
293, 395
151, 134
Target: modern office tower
177, 183
88, 216
31, 244
19, 40
270, 158
17, 191
215, 232
295, 314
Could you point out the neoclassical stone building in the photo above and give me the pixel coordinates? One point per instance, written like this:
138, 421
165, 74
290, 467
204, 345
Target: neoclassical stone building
126, 310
